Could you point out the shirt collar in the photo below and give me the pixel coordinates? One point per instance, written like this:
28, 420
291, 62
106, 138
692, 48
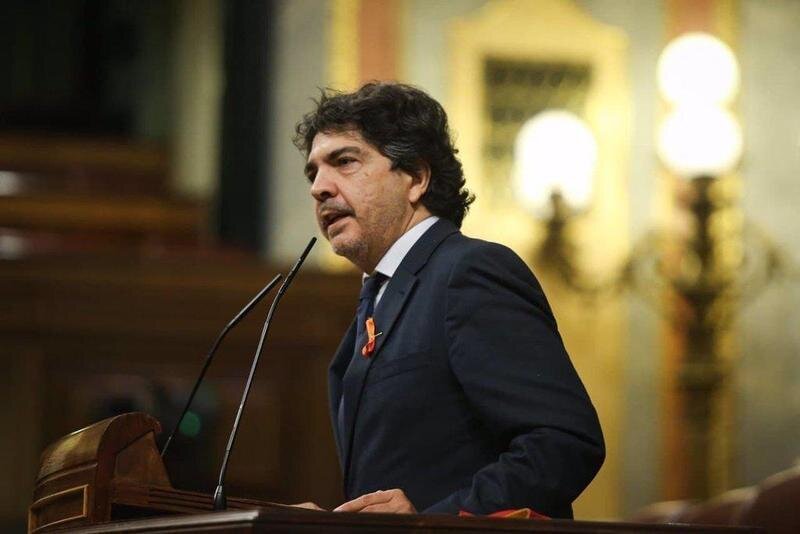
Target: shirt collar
394, 256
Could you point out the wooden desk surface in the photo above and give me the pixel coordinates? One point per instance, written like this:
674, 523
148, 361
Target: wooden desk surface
306, 521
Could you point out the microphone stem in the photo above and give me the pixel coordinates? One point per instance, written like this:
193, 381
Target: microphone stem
250, 305
206, 365
232, 438
219, 495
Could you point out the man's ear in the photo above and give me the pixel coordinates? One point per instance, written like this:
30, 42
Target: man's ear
419, 183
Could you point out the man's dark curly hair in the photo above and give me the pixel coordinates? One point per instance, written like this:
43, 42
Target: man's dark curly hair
404, 124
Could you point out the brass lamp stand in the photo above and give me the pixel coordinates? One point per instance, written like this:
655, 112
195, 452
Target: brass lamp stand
703, 281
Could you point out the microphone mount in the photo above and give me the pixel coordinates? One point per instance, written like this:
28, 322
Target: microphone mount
220, 499
233, 322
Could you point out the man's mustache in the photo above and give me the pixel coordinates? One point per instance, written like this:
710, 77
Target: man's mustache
326, 209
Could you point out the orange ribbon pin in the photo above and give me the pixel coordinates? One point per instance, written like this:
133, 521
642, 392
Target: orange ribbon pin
369, 347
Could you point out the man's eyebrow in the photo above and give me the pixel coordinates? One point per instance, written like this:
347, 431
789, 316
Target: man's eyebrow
344, 150
310, 166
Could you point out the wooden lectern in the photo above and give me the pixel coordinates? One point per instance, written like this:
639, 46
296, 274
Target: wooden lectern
109, 471
109, 477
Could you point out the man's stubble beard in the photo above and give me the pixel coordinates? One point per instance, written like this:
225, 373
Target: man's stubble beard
359, 251
355, 251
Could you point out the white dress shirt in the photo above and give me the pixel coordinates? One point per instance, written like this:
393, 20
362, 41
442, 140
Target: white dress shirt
394, 256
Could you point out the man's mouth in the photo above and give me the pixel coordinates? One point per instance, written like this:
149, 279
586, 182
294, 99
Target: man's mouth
330, 218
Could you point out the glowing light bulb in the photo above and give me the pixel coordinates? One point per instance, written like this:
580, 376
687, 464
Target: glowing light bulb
555, 151
698, 67
700, 140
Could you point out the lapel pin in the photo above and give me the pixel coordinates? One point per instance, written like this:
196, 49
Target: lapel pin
369, 347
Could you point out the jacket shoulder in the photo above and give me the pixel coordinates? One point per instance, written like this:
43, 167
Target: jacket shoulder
464, 252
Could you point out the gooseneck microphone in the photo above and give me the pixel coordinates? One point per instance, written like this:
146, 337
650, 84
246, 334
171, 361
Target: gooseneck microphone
239, 316
220, 500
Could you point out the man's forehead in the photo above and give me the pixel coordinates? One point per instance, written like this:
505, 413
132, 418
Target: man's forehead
326, 142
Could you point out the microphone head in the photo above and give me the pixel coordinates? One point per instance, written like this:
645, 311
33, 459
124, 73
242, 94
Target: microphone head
298, 263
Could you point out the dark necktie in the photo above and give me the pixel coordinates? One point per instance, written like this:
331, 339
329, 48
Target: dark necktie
366, 306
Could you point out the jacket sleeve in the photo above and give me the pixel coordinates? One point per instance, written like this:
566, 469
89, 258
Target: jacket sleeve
507, 355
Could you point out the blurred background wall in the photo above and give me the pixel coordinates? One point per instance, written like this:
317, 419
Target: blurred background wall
149, 187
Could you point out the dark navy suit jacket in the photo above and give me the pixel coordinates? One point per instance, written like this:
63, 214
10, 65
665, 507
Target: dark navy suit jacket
469, 401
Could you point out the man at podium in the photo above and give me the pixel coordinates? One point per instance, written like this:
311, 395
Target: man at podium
451, 391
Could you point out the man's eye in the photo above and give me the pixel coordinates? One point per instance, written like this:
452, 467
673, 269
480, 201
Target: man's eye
345, 161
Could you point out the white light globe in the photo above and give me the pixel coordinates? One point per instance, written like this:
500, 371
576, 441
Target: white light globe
554, 151
698, 67
700, 141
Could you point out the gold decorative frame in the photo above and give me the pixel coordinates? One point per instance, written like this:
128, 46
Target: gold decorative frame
559, 32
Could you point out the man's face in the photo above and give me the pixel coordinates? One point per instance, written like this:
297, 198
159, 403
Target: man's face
362, 205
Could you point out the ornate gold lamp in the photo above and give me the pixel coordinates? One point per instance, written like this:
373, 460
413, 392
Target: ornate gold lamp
701, 141
699, 271
555, 154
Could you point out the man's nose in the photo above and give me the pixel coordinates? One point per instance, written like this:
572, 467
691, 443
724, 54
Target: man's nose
324, 186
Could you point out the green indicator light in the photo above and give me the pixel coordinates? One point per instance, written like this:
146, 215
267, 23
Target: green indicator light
190, 426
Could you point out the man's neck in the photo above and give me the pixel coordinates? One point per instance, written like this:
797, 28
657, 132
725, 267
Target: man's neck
393, 257
417, 216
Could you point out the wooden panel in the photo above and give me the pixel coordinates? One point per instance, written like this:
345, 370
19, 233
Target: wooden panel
66, 506
73, 155
134, 215
126, 332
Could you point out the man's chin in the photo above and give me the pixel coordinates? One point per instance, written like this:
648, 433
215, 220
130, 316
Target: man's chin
349, 248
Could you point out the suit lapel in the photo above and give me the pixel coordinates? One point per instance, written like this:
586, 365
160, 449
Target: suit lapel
350, 383
336, 371
389, 308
